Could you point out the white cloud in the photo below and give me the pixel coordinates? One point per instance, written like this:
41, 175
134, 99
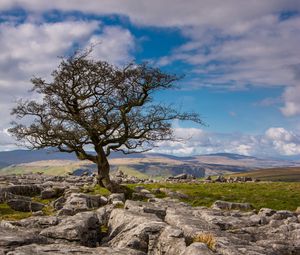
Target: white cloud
292, 101
168, 12
6, 141
114, 45
259, 52
244, 149
264, 54
274, 142
31, 49
284, 141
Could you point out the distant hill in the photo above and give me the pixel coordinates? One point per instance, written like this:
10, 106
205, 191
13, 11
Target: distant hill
3, 164
230, 155
140, 167
146, 164
26, 156
284, 174
50, 167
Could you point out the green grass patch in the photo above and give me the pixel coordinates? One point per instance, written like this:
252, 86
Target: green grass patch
276, 195
6, 213
48, 210
43, 201
98, 190
160, 195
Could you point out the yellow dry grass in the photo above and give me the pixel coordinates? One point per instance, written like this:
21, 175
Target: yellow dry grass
207, 238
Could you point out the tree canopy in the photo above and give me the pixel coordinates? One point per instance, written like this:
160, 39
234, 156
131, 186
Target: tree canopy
91, 104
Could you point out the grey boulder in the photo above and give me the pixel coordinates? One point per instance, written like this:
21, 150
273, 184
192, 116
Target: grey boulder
22, 190
138, 231
24, 205
14, 237
79, 202
83, 228
52, 192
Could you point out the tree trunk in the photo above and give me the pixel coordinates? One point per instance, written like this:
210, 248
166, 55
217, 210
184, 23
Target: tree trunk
103, 175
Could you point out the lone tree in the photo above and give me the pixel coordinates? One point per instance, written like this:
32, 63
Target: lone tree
91, 104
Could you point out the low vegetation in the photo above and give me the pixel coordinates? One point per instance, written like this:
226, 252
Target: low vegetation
281, 174
6, 213
276, 195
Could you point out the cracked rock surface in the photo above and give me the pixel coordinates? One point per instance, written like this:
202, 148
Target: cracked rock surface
97, 225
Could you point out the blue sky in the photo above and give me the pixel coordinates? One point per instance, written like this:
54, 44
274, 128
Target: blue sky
241, 61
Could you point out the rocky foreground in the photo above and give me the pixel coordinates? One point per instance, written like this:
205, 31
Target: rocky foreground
81, 223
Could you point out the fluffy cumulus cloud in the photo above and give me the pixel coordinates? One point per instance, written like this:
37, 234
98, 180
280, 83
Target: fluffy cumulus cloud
284, 141
33, 49
292, 101
28, 49
114, 44
276, 141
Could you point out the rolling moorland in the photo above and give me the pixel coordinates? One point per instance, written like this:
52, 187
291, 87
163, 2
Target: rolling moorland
278, 174
152, 165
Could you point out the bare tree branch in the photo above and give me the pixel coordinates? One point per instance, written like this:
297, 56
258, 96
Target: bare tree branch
92, 103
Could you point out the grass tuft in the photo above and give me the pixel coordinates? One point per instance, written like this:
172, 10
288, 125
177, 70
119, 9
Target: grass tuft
207, 238
98, 190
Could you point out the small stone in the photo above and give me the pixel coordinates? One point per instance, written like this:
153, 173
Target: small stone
38, 213
180, 176
208, 178
220, 178
117, 203
145, 191
282, 214
116, 197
